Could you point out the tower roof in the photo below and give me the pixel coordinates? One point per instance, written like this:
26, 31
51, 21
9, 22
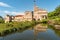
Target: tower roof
35, 6
19, 15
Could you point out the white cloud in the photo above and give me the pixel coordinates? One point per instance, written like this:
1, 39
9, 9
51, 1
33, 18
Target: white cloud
7, 12
12, 13
17, 13
4, 4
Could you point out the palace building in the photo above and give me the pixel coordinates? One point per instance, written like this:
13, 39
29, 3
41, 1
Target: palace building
36, 14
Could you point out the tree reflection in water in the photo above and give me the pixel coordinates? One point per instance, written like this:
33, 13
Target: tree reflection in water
57, 32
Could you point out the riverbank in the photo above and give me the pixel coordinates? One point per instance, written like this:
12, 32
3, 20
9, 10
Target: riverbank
54, 23
7, 28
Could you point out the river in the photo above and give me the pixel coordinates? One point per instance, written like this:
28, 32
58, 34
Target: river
31, 34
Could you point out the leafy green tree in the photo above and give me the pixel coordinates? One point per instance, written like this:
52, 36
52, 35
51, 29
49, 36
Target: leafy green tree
1, 19
54, 14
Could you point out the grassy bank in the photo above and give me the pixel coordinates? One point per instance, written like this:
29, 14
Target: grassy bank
6, 28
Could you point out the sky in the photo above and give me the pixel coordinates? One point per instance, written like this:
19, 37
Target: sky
16, 7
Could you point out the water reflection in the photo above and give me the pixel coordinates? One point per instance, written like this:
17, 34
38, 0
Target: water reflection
38, 33
39, 28
57, 32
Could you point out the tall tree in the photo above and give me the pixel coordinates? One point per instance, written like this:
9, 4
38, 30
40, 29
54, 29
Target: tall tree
1, 19
55, 13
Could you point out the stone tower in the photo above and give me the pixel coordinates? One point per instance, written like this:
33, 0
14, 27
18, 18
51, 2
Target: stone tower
35, 6
39, 14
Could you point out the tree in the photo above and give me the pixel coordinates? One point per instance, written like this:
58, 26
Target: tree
57, 10
1, 19
55, 13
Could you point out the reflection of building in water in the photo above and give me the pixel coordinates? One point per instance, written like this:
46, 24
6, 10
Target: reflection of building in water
39, 28
35, 34
36, 14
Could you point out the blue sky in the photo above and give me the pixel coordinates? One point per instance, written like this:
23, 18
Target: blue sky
15, 7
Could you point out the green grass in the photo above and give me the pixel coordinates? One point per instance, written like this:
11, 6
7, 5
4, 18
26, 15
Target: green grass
6, 28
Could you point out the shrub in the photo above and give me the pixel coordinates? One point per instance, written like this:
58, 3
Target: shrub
44, 21
1, 21
9, 25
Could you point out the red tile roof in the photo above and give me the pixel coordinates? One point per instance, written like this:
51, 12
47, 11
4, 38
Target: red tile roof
19, 15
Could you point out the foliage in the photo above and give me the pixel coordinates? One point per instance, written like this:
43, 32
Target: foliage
44, 21
7, 28
1, 20
54, 14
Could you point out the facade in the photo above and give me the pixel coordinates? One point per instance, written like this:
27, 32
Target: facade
39, 14
19, 18
28, 15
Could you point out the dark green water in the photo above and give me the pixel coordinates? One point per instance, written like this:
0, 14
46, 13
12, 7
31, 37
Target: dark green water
30, 34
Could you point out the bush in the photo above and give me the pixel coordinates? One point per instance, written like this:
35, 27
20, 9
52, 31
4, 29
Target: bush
44, 21
9, 25
1, 21
57, 21
16, 26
